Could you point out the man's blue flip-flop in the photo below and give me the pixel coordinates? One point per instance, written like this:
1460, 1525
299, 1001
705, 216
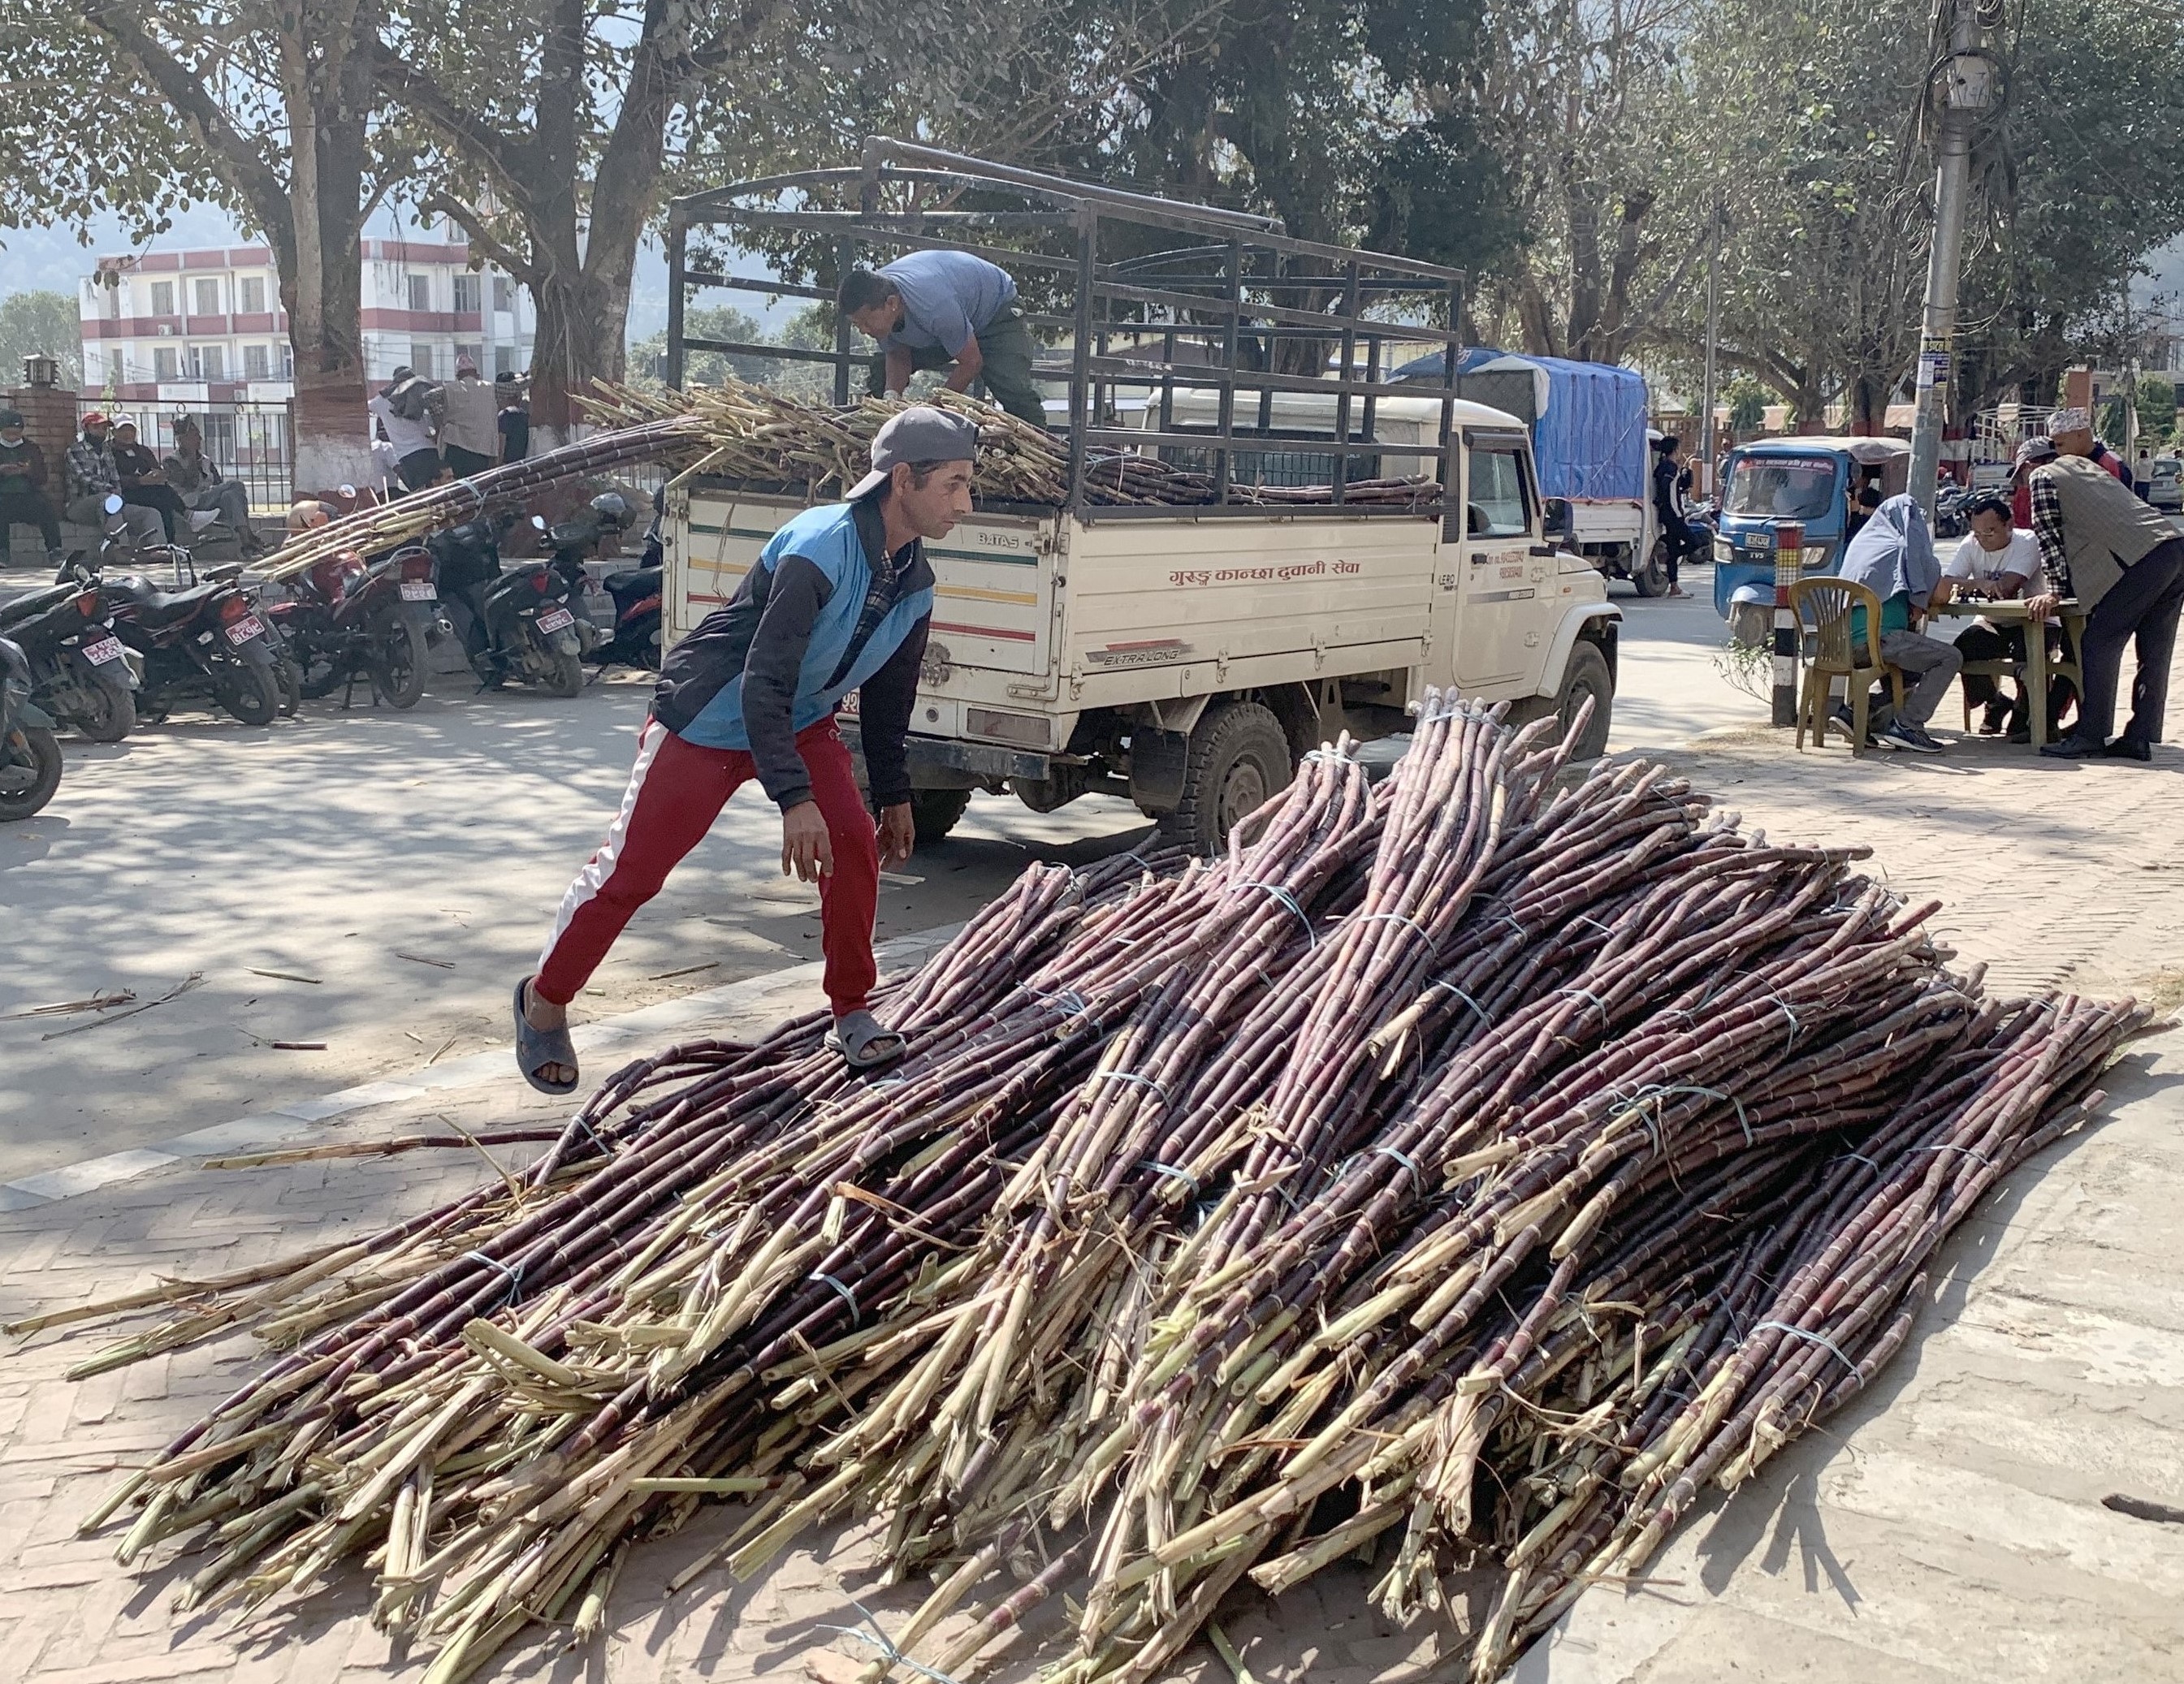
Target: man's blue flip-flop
865, 1042
536, 1048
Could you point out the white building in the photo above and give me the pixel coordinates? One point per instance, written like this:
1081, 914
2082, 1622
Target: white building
186, 328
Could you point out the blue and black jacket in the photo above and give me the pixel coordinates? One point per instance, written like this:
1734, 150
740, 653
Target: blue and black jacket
826, 611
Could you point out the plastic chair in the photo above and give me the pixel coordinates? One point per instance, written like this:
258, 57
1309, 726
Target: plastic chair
2068, 665
1825, 605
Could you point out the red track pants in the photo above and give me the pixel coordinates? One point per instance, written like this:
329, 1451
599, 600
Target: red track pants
675, 791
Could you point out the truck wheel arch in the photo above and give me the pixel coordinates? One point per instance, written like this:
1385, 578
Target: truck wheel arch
1598, 623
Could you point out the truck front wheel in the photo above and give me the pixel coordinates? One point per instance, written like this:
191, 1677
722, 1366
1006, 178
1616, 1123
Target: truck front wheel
1587, 675
1238, 760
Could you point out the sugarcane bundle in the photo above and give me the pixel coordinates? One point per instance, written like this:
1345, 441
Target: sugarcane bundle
408, 520
1473, 1167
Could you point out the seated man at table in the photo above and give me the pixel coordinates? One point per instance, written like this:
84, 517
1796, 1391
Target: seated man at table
1893, 557
2002, 564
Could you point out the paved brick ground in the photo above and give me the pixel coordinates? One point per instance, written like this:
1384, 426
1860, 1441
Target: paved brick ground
1950, 1528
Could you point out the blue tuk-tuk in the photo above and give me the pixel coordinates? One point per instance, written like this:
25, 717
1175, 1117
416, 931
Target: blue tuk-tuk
1810, 481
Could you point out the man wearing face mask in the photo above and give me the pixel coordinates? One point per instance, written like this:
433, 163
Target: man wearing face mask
23, 488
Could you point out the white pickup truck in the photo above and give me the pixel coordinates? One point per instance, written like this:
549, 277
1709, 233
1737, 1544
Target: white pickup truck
1186, 662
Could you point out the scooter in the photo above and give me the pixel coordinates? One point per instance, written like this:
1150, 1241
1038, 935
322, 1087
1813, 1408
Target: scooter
637, 595
30, 755
79, 673
531, 625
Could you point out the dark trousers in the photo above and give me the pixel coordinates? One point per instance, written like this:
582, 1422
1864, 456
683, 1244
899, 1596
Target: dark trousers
164, 498
33, 508
2140, 608
1978, 642
1005, 350
1679, 539
465, 463
419, 469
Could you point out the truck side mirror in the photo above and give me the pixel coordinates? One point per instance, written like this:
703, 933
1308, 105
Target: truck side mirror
1561, 521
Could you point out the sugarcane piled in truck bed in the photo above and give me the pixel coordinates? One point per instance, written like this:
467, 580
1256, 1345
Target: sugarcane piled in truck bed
1468, 1169
755, 434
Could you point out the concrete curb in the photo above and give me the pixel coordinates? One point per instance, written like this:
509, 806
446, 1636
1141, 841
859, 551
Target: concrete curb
622, 1034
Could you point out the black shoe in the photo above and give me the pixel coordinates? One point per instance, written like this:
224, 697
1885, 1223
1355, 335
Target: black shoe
2019, 734
1995, 721
2129, 748
2073, 748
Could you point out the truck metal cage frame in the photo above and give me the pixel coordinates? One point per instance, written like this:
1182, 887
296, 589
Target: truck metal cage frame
1237, 293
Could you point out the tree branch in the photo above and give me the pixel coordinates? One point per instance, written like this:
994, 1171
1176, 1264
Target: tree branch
472, 222
239, 161
466, 131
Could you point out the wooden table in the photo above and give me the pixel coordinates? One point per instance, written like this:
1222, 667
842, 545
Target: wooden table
2011, 612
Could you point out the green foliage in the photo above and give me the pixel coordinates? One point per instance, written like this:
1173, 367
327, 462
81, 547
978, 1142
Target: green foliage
1747, 400
810, 330
41, 322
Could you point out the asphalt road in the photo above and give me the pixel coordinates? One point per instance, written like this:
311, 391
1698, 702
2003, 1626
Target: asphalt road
408, 864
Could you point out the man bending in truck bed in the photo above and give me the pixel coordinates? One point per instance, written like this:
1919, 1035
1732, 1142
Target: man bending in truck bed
841, 599
932, 309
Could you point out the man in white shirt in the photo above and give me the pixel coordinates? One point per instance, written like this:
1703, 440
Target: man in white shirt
2001, 563
416, 451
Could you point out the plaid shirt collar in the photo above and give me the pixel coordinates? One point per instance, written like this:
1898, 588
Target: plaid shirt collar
91, 467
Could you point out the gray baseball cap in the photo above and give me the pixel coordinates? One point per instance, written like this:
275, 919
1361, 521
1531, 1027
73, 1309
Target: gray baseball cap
920, 433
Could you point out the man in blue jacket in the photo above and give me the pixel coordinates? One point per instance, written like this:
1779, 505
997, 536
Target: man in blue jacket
841, 599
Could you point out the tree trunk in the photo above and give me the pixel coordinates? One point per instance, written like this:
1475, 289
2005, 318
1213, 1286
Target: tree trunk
580, 325
329, 95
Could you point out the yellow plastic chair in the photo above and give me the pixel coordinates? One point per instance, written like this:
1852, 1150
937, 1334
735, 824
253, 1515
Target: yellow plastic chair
1824, 605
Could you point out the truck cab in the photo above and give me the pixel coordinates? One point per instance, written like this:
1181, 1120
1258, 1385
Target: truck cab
1808, 480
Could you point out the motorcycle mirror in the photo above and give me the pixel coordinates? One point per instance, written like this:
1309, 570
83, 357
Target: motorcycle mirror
539, 522
113, 504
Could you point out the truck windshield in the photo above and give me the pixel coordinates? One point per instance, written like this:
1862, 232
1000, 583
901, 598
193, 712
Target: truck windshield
1786, 487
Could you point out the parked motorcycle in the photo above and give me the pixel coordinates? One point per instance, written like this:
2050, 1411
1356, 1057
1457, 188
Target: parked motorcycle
30, 755
636, 592
348, 619
79, 673
201, 639
524, 620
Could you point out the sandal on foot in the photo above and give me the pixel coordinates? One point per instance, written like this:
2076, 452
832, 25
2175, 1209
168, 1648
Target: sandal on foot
865, 1042
536, 1048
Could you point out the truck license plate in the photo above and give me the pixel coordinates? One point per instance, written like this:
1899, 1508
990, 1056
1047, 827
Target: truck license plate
419, 590
103, 650
245, 629
553, 619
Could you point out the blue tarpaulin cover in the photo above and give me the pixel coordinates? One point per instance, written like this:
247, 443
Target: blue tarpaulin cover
1588, 419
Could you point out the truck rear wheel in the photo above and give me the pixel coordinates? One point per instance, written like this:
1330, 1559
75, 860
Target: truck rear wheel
1650, 576
1238, 760
936, 811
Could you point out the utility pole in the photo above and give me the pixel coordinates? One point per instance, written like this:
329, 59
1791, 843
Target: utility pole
1709, 452
1963, 93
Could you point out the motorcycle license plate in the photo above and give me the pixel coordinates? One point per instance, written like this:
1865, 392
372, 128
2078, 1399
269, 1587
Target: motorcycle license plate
245, 629
419, 590
553, 619
103, 650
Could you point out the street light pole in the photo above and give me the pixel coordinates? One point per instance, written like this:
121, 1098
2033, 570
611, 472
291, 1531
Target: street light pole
1709, 452
1963, 90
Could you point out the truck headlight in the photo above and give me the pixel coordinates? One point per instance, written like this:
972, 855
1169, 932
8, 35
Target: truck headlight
1815, 555
1723, 553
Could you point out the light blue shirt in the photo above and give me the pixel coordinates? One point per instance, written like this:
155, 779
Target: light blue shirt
948, 299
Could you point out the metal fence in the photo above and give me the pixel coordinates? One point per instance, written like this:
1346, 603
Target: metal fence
255, 442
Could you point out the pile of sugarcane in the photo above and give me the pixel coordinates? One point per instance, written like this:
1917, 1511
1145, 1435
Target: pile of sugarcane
766, 438
754, 433
1462, 1171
